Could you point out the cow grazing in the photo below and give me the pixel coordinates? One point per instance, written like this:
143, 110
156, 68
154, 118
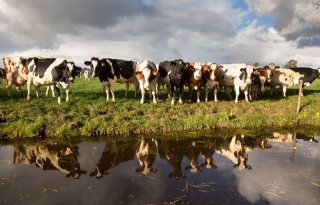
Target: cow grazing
49, 71
239, 77
171, 73
309, 75
147, 76
193, 79
16, 72
284, 78
75, 71
110, 71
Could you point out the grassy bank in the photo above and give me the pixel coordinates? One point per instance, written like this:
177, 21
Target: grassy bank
89, 114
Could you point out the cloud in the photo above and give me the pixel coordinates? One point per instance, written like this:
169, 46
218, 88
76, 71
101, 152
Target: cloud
157, 30
293, 19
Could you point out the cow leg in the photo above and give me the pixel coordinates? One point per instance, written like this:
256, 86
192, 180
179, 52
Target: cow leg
67, 94
142, 91
127, 88
284, 91
112, 85
227, 89
190, 92
58, 93
173, 94
237, 89
29, 89
198, 95
180, 94
37, 90
207, 92
154, 91
52, 90
247, 94
248, 90
215, 92
8, 87
106, 89
47, 91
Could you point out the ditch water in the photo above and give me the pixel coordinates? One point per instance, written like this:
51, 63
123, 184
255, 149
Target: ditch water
271, 168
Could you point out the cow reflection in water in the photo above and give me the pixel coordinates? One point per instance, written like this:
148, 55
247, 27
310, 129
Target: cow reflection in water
289, 137
192, 152
207, 151
50, 157
172, 151
114, 153
146, 155
239, 148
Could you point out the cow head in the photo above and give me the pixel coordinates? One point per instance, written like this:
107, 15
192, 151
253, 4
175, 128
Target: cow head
316, 72
65, 74
95, 65
180, 68
75, 70
197, 71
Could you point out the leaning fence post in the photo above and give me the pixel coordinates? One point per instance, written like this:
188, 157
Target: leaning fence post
299, 98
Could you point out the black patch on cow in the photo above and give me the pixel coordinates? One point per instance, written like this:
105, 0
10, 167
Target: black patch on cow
41, 65
123, 68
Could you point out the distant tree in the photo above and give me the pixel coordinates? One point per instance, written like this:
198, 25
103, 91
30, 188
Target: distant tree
256, 64
291, 64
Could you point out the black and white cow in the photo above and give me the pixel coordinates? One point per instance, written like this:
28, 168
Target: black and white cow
171, 73
309, 74
75, 71
49, 71
111, 71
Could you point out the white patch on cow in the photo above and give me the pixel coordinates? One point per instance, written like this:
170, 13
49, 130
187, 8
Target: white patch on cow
307, 84
94, 64
198, 71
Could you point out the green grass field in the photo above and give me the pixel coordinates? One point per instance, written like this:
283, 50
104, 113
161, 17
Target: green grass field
88, 113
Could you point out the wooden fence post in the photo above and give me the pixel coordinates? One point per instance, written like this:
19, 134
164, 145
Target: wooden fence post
299, 98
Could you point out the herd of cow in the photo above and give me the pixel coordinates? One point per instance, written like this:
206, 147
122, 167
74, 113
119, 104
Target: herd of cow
175, 74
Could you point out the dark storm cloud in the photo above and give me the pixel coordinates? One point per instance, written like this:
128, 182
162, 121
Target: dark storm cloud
309, 42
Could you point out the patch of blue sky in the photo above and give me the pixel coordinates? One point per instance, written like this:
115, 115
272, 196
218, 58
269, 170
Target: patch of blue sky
246, 20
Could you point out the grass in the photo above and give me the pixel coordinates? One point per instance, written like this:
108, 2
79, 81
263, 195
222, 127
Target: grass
88, 113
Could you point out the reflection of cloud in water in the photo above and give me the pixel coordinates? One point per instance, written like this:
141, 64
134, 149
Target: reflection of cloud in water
283, 181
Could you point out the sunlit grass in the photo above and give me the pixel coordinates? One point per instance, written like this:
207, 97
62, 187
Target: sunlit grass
89, 114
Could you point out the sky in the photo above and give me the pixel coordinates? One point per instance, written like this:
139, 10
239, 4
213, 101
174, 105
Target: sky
220, 31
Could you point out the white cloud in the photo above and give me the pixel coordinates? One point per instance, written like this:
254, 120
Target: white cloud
157, 30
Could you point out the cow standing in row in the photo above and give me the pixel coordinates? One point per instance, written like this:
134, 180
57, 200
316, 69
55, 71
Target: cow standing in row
16, 72
239, 77
193, 79
75, 71
172, 74
284, 78
111, 71
48, 71
2, 75
147, 76
309, 75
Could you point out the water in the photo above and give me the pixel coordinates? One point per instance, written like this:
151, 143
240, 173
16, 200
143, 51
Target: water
272, 168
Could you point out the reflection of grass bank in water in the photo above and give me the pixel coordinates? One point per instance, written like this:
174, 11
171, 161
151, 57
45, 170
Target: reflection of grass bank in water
88, 114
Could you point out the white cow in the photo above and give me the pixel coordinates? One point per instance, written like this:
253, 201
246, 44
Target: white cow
239, 77
284, 78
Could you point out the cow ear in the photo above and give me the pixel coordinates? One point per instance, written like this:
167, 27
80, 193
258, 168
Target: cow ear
243, 70
277, 67
87, 63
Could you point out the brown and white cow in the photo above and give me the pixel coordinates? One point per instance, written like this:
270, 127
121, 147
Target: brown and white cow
16, 72
146, 155
147, 76
193, 79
